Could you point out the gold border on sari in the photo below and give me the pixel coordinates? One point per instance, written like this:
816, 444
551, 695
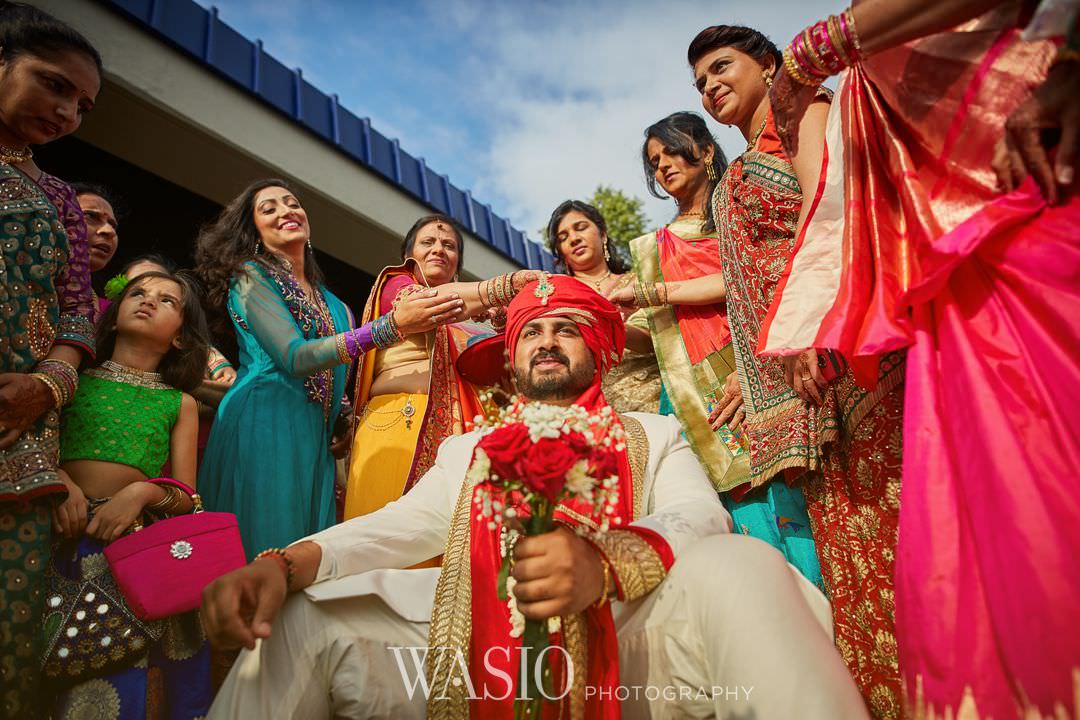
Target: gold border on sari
686, 383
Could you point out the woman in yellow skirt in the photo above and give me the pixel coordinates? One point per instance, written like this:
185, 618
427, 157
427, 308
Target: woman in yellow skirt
408, 396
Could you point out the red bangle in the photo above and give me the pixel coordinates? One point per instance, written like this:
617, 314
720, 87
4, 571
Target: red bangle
284, 562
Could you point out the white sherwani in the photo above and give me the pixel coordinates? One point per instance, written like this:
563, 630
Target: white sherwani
733, 631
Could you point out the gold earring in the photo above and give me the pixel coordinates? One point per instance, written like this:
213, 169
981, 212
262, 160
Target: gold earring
607, 253
768, 78
710, 171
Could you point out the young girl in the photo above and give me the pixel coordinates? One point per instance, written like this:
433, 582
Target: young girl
131, 414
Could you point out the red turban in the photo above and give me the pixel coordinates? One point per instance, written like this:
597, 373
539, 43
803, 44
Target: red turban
600, 322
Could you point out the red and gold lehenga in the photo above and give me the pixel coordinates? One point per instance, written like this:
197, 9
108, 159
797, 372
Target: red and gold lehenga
846, 453
982, 290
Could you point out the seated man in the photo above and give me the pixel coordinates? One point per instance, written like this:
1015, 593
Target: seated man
701, 623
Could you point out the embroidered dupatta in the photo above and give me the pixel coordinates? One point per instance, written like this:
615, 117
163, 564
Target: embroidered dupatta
693, 345
452, 402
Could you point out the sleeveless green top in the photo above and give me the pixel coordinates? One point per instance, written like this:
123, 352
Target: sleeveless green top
120, 415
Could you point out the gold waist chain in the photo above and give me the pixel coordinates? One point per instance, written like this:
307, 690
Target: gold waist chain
406, 413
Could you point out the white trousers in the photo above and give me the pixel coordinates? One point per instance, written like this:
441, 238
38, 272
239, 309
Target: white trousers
733, 632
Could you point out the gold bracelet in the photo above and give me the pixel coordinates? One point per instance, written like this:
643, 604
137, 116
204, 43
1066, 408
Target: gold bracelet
607, 576
656, 288
54, 388
654, 299
793, 70
169, 503
1064, 55
480, 295
836, 36
342, 349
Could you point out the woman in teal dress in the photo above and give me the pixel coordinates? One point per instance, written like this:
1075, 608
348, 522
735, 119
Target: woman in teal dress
270, 458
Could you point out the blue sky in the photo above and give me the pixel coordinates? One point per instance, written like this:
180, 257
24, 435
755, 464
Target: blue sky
526, 103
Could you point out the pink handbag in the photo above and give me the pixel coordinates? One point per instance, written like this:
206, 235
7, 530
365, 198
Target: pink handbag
162, 569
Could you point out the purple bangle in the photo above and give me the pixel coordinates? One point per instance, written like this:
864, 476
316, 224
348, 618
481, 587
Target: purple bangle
359, 341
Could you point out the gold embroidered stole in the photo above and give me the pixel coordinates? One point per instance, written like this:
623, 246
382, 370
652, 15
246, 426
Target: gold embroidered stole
451, 618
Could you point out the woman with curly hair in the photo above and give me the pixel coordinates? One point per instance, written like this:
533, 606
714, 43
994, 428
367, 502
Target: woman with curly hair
269, 458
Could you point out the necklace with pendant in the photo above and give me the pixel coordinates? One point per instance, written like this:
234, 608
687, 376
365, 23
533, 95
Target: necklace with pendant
597, 283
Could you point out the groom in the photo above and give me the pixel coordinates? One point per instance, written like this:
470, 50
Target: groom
700, 623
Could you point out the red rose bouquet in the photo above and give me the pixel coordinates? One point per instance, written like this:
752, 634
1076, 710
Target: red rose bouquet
534, 458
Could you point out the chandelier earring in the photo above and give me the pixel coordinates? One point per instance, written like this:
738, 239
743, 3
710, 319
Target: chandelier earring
710, 170
258, 247
309, 245
607, 253
768, 78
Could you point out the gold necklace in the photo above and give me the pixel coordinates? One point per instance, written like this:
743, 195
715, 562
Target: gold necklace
757, 136
597, 283
12, 156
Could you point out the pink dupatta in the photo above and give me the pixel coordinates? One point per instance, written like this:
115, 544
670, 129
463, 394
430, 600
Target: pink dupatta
983, 291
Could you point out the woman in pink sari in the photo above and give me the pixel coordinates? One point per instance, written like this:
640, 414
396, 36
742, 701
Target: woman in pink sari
982, 290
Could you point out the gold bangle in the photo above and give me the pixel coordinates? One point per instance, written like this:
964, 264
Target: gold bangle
342, 348
836, 36
793, 70
170, 502
849, 20
1064, 55
607, 576
654, 301
810, 50
54, 388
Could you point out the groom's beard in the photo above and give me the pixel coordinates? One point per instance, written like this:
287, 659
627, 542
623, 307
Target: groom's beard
566, 384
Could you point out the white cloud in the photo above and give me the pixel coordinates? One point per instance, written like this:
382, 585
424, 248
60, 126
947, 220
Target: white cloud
573, 87
524, 103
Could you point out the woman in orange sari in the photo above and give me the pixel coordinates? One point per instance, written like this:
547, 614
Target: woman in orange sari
840, 442
407, 394
911, 245
408, 398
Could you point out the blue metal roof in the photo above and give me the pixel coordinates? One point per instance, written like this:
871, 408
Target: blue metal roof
199, 33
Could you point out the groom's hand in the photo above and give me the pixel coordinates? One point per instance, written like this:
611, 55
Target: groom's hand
557, 573
240, 607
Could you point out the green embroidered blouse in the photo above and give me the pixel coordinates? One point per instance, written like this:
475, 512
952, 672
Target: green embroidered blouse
120, 415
